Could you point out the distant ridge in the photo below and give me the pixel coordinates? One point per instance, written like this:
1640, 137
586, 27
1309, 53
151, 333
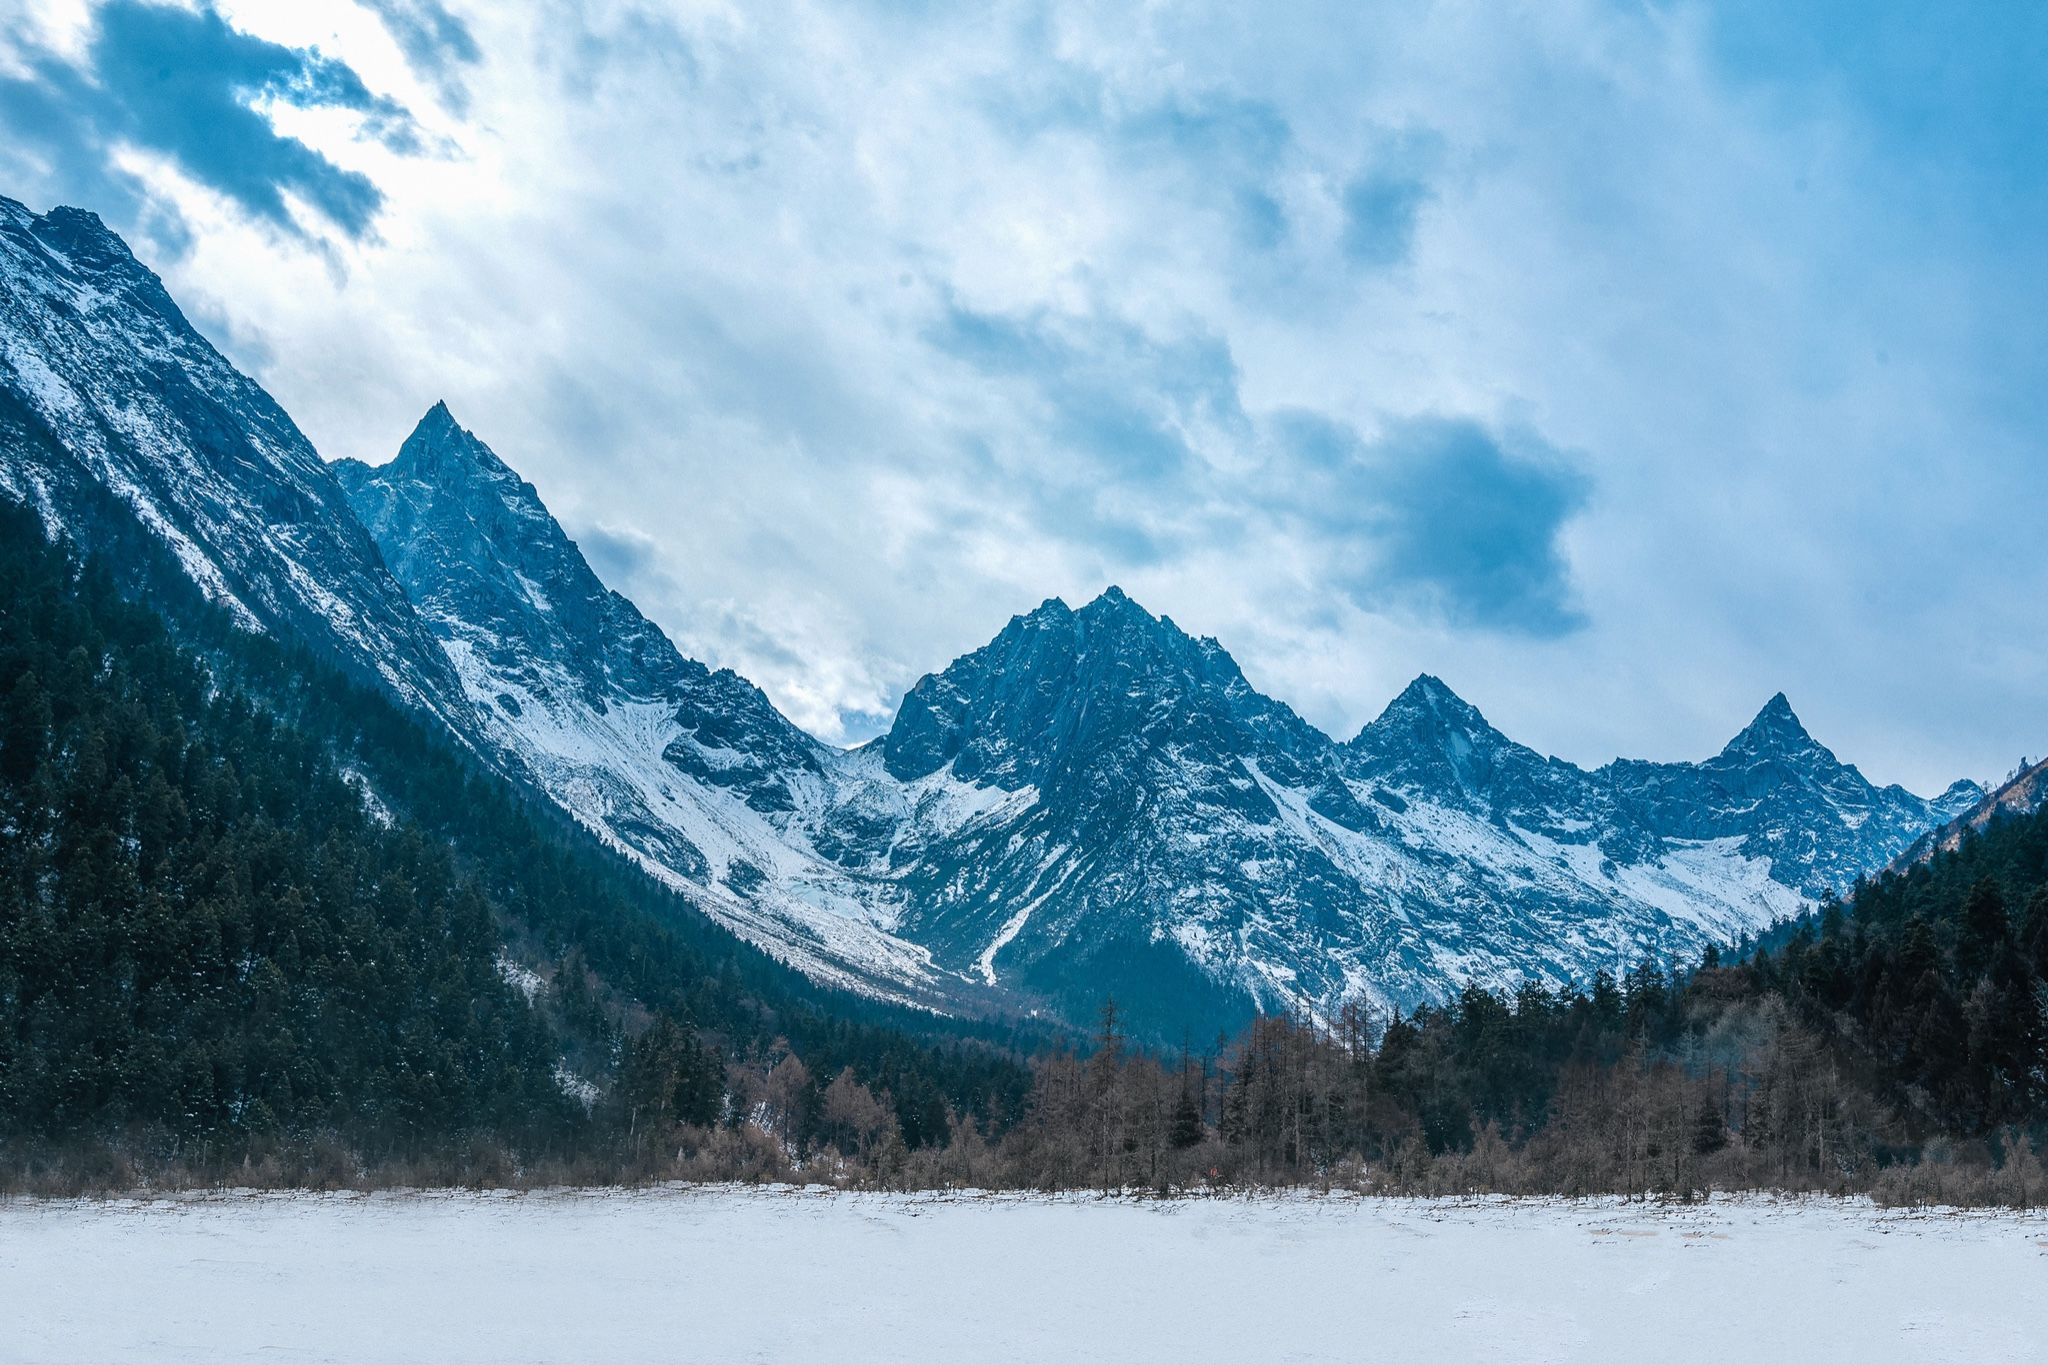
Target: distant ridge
2021, 794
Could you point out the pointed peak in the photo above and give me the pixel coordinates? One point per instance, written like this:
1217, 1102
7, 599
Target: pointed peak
440, 422
1432, 694
1428, 687
1053, 614
1427, 706
1051, 609
1114, 613
1777, 714
85, 243
440, 446
82, 220
1776, 729
1114, 599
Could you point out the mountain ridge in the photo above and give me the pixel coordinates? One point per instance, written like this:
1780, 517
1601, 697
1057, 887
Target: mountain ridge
107, 389
1095, 802
2025, 792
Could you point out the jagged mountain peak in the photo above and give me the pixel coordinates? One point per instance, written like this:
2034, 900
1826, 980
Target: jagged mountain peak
1428, 717
1114, 603
1776, 729
454, 520
438, 429
448, 460
1430, 740
1112, 619
85, 241
548, 653
441, 450
75, 245
1429, 702
462, 529
1051, 614
1058, 687
1114, 610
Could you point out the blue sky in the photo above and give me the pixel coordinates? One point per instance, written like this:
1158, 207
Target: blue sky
1621, 363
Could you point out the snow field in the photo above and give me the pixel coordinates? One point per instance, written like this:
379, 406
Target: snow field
725, 1274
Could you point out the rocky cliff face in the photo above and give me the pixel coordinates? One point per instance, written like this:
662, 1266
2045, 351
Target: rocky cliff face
1192, 846
117, 417
690, 771
1786, 798
1148, 845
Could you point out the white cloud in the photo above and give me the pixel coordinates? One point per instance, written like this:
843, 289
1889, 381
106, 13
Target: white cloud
690, 269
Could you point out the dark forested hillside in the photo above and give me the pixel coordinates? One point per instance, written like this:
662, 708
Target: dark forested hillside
201, 928
244, 903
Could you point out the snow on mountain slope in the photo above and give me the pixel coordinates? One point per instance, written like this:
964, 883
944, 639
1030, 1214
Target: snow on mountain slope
1786, 798
1098, 803
1195, 847
118, 420
1094, 803
113, 409
688, 770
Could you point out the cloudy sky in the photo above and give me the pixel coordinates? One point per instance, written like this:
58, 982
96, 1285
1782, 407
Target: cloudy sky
1621, 363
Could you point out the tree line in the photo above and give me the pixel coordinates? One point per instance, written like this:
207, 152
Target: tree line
1892, 1044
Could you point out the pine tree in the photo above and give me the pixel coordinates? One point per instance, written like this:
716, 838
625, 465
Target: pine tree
1984, 928
1187, 1130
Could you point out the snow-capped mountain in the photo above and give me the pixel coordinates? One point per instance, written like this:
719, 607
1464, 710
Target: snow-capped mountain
1786, 798
1186, 839
1153, 844
690, 771
1095, 802
116, 416
1774, 789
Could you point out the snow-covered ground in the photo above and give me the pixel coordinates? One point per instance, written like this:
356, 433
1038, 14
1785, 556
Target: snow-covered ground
746, 1275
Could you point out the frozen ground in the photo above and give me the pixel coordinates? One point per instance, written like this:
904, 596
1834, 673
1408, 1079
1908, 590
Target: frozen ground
736, 1275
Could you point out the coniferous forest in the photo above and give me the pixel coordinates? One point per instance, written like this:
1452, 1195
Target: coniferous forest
252, 912
257, 927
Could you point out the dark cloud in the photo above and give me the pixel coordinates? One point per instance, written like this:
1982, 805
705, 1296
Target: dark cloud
436, 43
50, 153
1436, 516
184, 84
1446, 516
